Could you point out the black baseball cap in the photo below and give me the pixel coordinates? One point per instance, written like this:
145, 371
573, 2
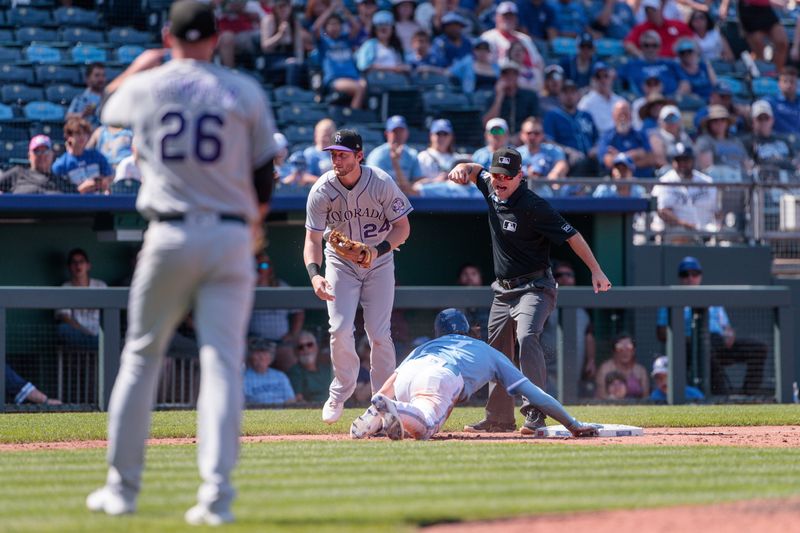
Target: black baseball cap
192, 21
346, 140
506, 161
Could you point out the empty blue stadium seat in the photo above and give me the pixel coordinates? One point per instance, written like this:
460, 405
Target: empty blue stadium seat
62, 93
301, 114
299, 134
82, 35
43, 110
14, 74
24, 16
564, 46
341, 114
288, 95
12, 131
86, 53
609, 47
763, 87
14, 93
436, 101
737, 86
122, 36
9, 55
427, 80
14, 152
6, 112
41, 53
30, 34
58, 74
74, 16
127, 53
380, 81
53, 129
7, 37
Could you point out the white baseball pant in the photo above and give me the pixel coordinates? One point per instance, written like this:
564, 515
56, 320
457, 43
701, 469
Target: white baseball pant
208, 267
425, 393
374, 288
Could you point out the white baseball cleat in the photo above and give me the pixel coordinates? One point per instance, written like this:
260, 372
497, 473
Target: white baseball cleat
391, 418
332, 411
109, 502
367, 424
200, 515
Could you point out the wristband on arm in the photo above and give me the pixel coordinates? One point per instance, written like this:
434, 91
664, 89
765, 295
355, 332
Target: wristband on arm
313, 269
383, 248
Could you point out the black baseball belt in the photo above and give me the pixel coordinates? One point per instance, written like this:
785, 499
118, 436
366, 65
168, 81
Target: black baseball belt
513, 283
181, 217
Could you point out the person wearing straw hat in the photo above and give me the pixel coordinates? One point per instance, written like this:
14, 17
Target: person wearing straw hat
716, 147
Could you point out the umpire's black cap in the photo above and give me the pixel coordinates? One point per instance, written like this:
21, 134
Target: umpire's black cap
506, 161
192, 21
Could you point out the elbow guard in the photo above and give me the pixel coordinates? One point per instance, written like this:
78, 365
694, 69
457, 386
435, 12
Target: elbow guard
263, 180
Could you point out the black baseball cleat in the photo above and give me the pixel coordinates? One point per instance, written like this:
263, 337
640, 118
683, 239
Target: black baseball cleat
534, 419
490, 426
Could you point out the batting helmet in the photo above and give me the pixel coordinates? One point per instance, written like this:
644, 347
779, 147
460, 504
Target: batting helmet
450, 321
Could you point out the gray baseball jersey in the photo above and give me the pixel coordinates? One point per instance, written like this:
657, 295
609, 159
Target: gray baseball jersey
366, 214
199, 131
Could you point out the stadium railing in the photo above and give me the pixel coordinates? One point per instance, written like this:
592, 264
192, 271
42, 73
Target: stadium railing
775, 300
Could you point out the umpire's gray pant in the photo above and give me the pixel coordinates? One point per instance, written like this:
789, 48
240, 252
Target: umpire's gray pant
526, 307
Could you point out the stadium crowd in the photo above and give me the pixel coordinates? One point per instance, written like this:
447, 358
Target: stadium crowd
618, 89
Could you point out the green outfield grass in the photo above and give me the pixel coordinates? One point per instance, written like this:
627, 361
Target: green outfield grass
375, 486
54, 427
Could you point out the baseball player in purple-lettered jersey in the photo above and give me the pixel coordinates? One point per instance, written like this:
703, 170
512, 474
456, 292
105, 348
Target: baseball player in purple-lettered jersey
204, 138
364, 203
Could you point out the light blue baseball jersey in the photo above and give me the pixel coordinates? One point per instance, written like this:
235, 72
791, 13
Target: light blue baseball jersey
477, 362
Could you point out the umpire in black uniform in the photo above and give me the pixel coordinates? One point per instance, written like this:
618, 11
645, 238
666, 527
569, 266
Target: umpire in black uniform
522, 225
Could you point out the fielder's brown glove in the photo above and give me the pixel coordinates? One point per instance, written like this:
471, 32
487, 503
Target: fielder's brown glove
355, 251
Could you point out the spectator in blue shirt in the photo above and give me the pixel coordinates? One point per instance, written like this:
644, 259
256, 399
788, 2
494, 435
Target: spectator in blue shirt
264, 385
539, 157
613, 18
578, 68
696, 76
395, 157
785, 106
574, 130
339, 71
87, 104
86, 168
512, 102
537, 18
622, 169
623, 139
636, 71
421, 58
317, 159
553, 79
496, 135
454, 50
571, 19
726, 348
383, 50
660, 375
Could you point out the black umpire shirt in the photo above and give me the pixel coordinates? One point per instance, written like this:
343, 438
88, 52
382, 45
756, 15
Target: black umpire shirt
522, 229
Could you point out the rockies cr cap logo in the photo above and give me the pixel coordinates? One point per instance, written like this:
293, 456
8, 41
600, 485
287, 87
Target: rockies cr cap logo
338, 138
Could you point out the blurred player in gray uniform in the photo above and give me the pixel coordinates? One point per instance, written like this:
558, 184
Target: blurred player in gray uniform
365, 204
204, 137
